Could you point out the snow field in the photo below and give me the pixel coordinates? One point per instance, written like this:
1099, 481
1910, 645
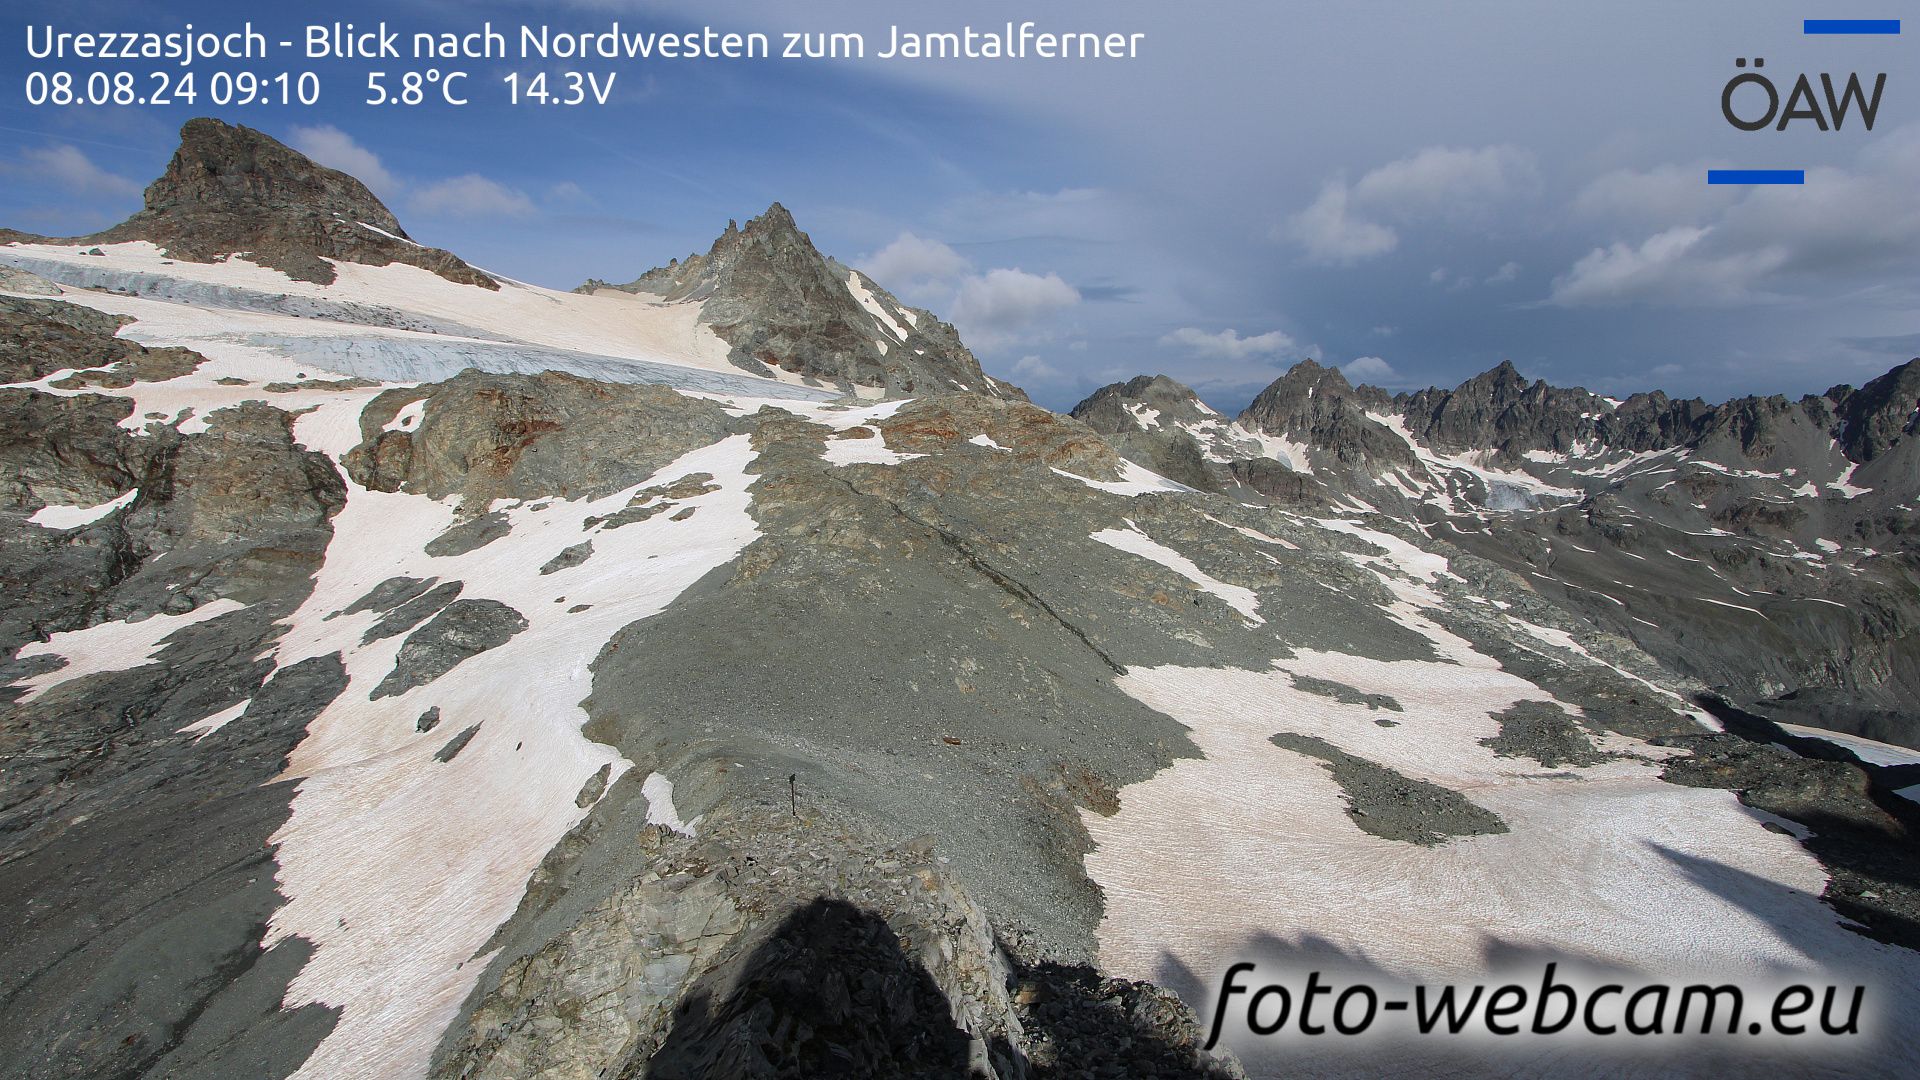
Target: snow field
1134, 542
1605, 864
398, 863
111, 646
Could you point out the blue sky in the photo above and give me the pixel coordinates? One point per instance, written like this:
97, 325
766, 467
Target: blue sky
1416, 191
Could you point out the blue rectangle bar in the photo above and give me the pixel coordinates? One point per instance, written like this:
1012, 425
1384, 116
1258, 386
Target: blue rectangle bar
1756, 176
1850, 26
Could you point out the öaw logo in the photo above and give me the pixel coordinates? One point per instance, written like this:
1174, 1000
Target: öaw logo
1801, 102
1753, 99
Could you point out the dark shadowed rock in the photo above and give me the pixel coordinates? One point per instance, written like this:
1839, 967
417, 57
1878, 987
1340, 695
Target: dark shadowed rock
827, 991
1391, 805
455, 745
465, 629
1879, 414
470, 535
569, 558
387, 595
1544, 732
1499, 410
411, 613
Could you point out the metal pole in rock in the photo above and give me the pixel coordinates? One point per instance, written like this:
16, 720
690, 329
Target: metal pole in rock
793, 792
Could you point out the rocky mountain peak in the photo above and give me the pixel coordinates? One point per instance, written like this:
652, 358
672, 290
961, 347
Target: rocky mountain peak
233, 190
228, 168
1502, 376
780, 303
1880, 413
1314, 404
1312, 387
1141, 402
1500, 410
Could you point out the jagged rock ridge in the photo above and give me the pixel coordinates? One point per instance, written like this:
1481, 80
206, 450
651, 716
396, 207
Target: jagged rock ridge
1802, 509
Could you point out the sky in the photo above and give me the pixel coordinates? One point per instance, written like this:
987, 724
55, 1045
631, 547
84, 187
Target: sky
1414, 191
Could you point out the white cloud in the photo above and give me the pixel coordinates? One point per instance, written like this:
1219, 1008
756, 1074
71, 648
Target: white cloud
1659, 197
71, 168
569, 193
911, 258
1509, 271
1449, 181
471, 195
1843, 228
335, 149
1033, 367
1368, 369
1674, 267
1331, 235
1005, 299
1342, 226
1228, 344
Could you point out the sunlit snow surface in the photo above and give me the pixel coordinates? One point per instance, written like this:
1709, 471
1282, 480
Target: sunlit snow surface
1248, 853
109, 646
394, 323
380, 860
72, 517
1871, 751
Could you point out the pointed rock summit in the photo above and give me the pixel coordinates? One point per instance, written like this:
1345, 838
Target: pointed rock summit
769, 293
231, 190
1315, 406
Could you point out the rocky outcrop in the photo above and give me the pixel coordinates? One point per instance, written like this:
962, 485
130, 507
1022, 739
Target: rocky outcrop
793, 943
1032, 435
771, 295
139, 874
462, 630
240, 510
231, 190
484, 437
